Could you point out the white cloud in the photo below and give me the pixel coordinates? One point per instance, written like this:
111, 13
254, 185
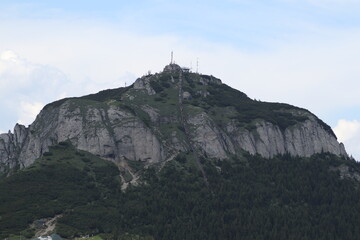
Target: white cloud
319, 72
9, 56
14, 71
348, 132
24, 86
28, 112
320, 75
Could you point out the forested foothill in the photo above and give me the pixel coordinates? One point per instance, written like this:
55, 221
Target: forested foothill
248, 197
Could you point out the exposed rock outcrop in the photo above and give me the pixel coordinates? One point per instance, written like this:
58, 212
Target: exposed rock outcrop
304, 139
11, 146
152, 133
144, 83
111, 133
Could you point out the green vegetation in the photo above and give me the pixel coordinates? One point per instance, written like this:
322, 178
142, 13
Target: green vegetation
253, 198
222, 103
102, 96
59, 181
248, 110
245, 111
135, 165
162, 82
91, 238
250, 198
126, 236
280, 198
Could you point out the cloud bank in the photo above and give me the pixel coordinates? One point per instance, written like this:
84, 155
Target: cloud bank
348, 132
25, 87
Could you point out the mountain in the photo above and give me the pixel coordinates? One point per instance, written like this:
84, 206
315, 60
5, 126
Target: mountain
163, 114
177, 155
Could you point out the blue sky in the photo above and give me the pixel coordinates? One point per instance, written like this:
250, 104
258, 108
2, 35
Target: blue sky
303, 52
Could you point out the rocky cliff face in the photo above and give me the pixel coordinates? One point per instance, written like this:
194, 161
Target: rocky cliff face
303, 139
144, 123
109, 132
10, 147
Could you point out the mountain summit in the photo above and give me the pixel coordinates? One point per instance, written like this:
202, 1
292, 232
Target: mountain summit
164, 114
177, 155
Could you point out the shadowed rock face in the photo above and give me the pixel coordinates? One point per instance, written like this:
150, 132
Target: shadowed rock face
142, 124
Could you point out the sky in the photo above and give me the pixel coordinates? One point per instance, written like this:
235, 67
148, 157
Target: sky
302, 52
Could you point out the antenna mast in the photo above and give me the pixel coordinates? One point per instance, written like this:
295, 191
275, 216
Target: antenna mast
172, 57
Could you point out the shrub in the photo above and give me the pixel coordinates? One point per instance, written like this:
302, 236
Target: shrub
156, 86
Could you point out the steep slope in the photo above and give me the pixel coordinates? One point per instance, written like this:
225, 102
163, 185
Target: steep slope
60, 181
188, 158
167, 113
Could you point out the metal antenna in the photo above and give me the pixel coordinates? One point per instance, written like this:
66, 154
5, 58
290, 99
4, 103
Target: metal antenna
172, 57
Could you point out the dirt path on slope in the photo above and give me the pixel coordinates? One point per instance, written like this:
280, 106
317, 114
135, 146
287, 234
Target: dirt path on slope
50, 226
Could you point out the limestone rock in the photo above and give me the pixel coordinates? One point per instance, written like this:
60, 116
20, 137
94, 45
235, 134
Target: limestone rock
112, 134
116, 134
186, 95
119, 127
172, 68
144, 83
303, 139
209, 138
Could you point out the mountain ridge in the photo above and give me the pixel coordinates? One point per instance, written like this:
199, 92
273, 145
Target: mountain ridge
143, 122
177, 155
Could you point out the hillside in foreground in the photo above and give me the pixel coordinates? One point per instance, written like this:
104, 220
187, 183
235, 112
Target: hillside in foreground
246, 198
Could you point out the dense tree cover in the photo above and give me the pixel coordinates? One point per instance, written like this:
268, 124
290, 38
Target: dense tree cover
256, 198
280, 198
59, 181
250, 198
